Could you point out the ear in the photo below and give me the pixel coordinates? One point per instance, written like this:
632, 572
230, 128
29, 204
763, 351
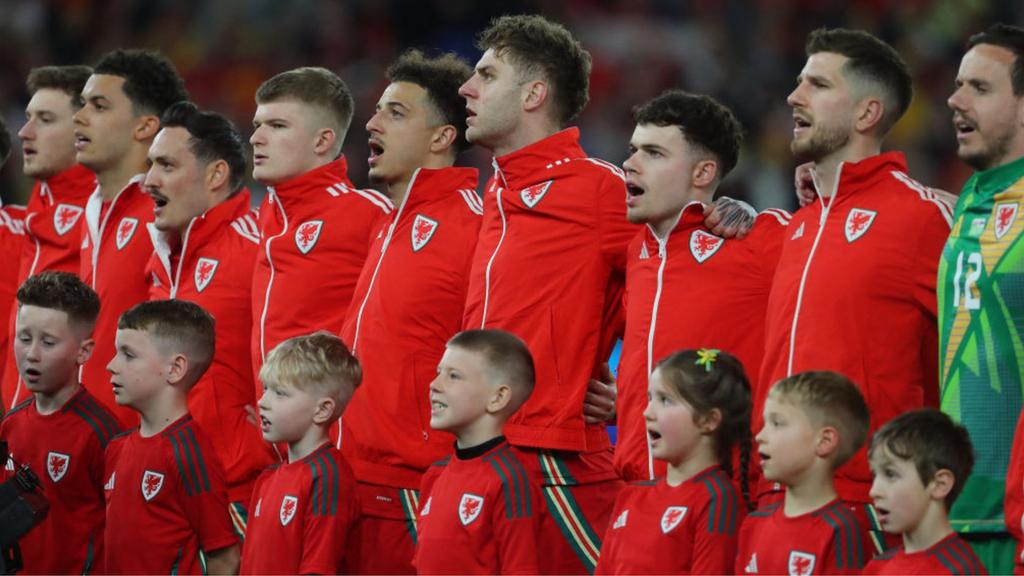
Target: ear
535, 94
500, 399
177, 369
869, 114
323, 413
218, 175
710, 422
828, 442
941, 484
84, 351
325, 139
443, 139
146, 127
704, 173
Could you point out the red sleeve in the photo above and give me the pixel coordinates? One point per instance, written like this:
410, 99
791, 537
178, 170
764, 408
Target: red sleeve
427, 484
615, 230
769, 233
325, 529
515, 533
714, 547
925, 269
206, 508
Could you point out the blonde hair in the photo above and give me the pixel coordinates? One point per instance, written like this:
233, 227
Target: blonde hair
318, 362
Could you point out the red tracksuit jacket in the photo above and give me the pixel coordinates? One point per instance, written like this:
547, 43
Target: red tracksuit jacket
115, 252
53, 237
315, 232
692, 290
854, 292
212, 267
12, 236
549, 267
408, 303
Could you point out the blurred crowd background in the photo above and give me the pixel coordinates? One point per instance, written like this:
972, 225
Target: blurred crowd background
747, 53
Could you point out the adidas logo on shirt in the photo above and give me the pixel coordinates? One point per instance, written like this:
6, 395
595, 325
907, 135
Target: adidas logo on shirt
799, 232
620, 522
10, 465
110, 483
751, 567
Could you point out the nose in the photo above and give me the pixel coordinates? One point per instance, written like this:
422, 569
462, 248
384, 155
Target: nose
80, 117
257, 136
112, 365
27, 131
759, 439
648, 412
373, 124
436, 385
152, 179
262, 405
876, 491
795, 97
468, 88
630, 164
32, 351
955, 102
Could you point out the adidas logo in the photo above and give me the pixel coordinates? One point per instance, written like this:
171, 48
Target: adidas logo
10, 465
426, 508
110, 483
799, 232
751, 567
621, 520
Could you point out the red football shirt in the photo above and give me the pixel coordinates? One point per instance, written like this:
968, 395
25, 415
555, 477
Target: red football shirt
825, 541
951, 555
692, 528
481, 514
12, 237
166, 499
300, 516
65, 450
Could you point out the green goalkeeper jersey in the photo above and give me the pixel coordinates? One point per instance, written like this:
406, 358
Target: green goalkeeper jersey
981, 320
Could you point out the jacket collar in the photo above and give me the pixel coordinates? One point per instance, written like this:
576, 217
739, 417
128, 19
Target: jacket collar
533, 163
429, 185
997, 179
856, 176
690, 217
95, 204
72, 185
315, 186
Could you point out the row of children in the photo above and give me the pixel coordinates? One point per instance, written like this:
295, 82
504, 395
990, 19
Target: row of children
132, 494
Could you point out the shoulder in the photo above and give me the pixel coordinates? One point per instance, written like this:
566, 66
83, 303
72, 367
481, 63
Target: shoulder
328, 472
917, 196
192, 456
468, 201
246, 227
847, 535
957, 556
773, 217
516, 485
18, 409
720, 502
96, 417
601, 168
375, 200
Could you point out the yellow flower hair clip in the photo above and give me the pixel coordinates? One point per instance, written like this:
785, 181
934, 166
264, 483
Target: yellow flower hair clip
706, 357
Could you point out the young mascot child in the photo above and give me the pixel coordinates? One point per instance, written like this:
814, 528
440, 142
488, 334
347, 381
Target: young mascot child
813, 423
698, 411
60, 431
166, 494
302, 510
921, 461
481, 512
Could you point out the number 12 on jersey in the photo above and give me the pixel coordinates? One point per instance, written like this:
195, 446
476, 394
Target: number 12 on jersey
969, 278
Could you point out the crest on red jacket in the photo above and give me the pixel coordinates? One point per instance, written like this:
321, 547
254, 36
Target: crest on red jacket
704, 245
65, 217
672, 517
307, 234
858, 221
57, 465
289, 505
801, 563
152, 482
469, 508
205, 268
423, 229
1006, 215
125, 231
531, 195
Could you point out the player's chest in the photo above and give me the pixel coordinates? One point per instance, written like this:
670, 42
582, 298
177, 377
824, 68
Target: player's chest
654, 535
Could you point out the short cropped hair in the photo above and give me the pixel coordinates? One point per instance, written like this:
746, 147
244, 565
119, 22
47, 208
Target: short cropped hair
705, 123
931, 441
829, 399
1011, 38
441, 77
540, 47
181, 327
507, 357
318, 362
65, 292
150, 80
67, 79
317, 87
870, 60
213, 137
5, 142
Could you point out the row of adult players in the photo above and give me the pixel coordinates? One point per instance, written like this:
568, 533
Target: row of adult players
878, 277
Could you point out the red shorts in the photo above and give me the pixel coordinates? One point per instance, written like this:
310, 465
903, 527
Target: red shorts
579, 494
384, 538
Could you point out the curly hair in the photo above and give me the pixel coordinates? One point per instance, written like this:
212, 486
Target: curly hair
441, 77
61, 291
150, 79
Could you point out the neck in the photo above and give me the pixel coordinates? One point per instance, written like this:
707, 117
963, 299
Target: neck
826, 170
114, 179
314, 438
478, 432
161, 413
808, 494
701, 458
50, 403
526, 134
932, 528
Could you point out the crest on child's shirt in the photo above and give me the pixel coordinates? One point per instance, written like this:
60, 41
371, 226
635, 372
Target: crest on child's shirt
704, 245
125, 231
1006, 215
65, 217
858, 221
469, 508
423, 229
307, 234
57, 465
531, 195
620, 522
152, 482
672, 517
205, 268
289, 505
801, 563
426, 507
